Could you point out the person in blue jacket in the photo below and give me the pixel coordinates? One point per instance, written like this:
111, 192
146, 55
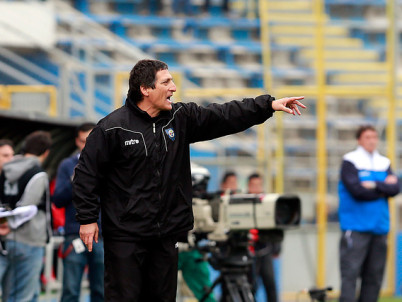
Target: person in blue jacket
366, 183
75, 255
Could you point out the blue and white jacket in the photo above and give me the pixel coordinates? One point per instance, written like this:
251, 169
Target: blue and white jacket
362, 209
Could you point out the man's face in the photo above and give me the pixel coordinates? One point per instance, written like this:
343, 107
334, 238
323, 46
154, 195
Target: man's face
159, 97
6, 154
81, 139
368, 140
255, 185
230, 183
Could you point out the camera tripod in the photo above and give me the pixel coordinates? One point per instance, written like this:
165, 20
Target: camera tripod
319, 294
235, 286
233, 262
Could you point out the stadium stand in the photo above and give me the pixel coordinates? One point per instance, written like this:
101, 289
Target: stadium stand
95, 40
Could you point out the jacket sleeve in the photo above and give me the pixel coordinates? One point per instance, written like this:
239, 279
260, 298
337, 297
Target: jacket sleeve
88, 175
350, 178
389, 190
216, 120
63, 191
34, 190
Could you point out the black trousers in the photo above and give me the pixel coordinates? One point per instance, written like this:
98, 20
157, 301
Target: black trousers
265, 268
143, 271
362, 255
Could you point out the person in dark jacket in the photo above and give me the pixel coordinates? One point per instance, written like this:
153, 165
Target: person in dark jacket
265, 250
135, 168
75, 258
366, 183
229, 182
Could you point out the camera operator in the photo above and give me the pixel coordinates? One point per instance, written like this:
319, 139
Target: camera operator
265, 251
229, 182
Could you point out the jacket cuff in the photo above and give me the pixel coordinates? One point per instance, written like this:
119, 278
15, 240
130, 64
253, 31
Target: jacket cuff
270, 99
88, 221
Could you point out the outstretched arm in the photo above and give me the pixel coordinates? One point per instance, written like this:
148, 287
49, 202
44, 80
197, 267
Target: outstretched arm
217, 120
289, 105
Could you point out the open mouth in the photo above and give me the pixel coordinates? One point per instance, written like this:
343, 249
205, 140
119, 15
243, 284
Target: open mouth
169, 100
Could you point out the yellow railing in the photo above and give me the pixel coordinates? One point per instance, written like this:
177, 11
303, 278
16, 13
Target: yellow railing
3, 97
6, 92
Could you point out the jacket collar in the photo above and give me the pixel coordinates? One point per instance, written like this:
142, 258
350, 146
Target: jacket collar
364, 152
133, 107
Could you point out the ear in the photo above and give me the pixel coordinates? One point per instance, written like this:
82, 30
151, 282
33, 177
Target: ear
144, 90
43, 156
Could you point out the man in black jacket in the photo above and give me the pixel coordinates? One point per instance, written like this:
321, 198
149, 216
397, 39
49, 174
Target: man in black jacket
135, 167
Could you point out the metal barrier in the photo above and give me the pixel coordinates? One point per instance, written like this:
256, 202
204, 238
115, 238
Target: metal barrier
8, 98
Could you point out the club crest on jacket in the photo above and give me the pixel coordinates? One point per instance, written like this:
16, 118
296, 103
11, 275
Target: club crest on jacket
170, 133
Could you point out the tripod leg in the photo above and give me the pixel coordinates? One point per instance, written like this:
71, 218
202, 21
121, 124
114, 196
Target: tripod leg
232, 289
245, 289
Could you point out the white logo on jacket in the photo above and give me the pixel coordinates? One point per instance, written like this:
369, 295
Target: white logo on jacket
131, 142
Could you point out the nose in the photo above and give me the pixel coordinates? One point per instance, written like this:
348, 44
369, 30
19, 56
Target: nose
173, 87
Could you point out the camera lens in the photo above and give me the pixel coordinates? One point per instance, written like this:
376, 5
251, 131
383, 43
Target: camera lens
287, 210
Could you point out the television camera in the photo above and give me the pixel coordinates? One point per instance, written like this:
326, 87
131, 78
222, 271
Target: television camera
243, 212
225, 220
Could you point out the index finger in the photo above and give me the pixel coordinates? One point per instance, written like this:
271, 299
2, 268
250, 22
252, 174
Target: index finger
295, 98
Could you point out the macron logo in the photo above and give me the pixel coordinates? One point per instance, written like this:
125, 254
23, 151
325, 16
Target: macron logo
131, 142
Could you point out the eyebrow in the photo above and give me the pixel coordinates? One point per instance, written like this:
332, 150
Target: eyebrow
166, 77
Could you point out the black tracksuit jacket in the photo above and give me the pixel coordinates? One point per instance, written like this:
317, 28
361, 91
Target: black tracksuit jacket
136, 169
